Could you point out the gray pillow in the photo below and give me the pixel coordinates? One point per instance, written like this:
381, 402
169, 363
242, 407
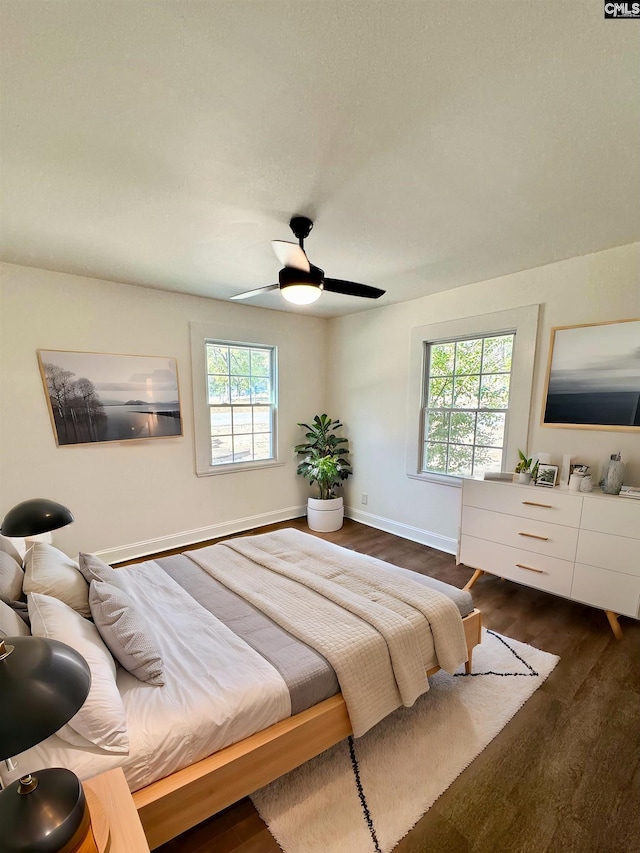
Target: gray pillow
125, 632
11, 625
94, 569
11, 578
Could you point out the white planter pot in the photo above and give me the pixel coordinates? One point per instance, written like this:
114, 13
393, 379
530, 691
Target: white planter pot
524, 478
325, 516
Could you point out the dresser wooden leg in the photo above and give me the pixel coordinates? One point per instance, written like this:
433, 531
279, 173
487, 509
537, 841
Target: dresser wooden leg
474, 578
615, 625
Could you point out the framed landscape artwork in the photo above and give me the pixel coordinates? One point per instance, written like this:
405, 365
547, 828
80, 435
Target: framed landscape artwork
98, 397
593, 377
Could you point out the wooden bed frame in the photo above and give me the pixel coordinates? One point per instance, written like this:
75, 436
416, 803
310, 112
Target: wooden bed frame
174, 804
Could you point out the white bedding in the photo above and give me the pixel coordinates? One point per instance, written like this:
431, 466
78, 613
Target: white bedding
218, 691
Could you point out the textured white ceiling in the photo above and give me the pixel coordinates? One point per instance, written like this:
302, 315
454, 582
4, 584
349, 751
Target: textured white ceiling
435, 144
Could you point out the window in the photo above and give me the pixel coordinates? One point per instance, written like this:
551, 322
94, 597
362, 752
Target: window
241, 399
467, 377
466, 403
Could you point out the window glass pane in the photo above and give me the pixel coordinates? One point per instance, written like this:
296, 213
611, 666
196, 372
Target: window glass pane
435, 457
242, 420
490, 428
494, 391
440, 393
497, 354
260, 363
221, 450
240, 361
468, 356
260, 390
240, 390
217, 359
442, 359
262, 419
221, 421
437, 426
242, 448
487, 459
462, 427
218, 390
460, 459
262, 446
465, 393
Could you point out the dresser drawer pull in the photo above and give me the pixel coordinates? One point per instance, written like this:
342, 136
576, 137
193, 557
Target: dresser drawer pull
533, 503
531, 569
535, 536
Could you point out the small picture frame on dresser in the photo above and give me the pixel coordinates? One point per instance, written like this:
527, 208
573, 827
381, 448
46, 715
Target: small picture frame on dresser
547, 476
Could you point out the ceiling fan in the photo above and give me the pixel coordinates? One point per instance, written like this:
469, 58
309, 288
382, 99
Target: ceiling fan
301, 282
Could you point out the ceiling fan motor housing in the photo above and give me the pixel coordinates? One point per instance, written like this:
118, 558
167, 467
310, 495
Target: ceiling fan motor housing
289, 276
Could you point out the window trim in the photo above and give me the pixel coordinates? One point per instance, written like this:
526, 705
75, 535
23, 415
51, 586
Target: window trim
201, 334
521, 321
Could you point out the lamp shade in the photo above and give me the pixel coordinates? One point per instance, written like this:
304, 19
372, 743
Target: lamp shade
35, 516
43, 683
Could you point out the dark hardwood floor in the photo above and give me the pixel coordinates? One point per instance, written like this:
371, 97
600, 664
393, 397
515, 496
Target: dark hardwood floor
562, 776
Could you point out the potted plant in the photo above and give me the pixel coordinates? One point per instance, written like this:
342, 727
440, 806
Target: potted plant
526, 469
324, 462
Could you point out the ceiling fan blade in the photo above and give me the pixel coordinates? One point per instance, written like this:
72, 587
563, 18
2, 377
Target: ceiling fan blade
291, 255
351, 288
249, 293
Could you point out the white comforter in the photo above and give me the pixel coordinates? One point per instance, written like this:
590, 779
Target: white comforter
218, 691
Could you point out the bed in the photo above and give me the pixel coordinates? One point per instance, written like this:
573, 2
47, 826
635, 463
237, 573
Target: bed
278, 701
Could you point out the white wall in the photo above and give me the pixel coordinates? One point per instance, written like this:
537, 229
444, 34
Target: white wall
140, 491
369, 363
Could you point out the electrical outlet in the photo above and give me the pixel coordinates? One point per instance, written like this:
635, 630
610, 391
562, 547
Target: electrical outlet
365, 498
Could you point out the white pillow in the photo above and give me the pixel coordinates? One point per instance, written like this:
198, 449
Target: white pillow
11, 625
101, 720
126, 632
9, 547
11, 578
50, 572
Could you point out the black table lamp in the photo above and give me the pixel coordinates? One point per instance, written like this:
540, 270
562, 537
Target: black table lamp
43, 683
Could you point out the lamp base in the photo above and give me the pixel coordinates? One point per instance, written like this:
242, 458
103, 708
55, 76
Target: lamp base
46, 813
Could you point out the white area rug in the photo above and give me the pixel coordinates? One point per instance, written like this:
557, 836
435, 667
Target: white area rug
363, 795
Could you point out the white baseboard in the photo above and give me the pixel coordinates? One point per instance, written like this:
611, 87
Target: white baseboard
135, 550
406, 531
200, 534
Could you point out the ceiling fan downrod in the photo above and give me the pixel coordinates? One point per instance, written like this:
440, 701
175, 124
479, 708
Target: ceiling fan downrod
301, 227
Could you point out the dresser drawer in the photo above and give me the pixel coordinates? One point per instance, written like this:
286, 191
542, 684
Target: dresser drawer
538, 570
534, 502
618, 553
608, 590
524, 533
614, 515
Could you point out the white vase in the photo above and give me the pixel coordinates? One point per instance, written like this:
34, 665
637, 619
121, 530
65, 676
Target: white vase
325, 516
524, 478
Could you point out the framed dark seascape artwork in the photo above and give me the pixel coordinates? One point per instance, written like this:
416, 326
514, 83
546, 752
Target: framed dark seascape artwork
593, 377
99, 397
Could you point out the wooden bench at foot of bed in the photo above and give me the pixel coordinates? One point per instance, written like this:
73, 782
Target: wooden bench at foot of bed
174, 804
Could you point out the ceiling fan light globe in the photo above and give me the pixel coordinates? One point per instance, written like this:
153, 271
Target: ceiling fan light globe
301, 294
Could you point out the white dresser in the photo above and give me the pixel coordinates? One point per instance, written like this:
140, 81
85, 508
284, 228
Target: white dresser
581, 546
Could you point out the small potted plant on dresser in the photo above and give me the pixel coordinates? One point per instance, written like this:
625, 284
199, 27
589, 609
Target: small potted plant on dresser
324, 462
526, 469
